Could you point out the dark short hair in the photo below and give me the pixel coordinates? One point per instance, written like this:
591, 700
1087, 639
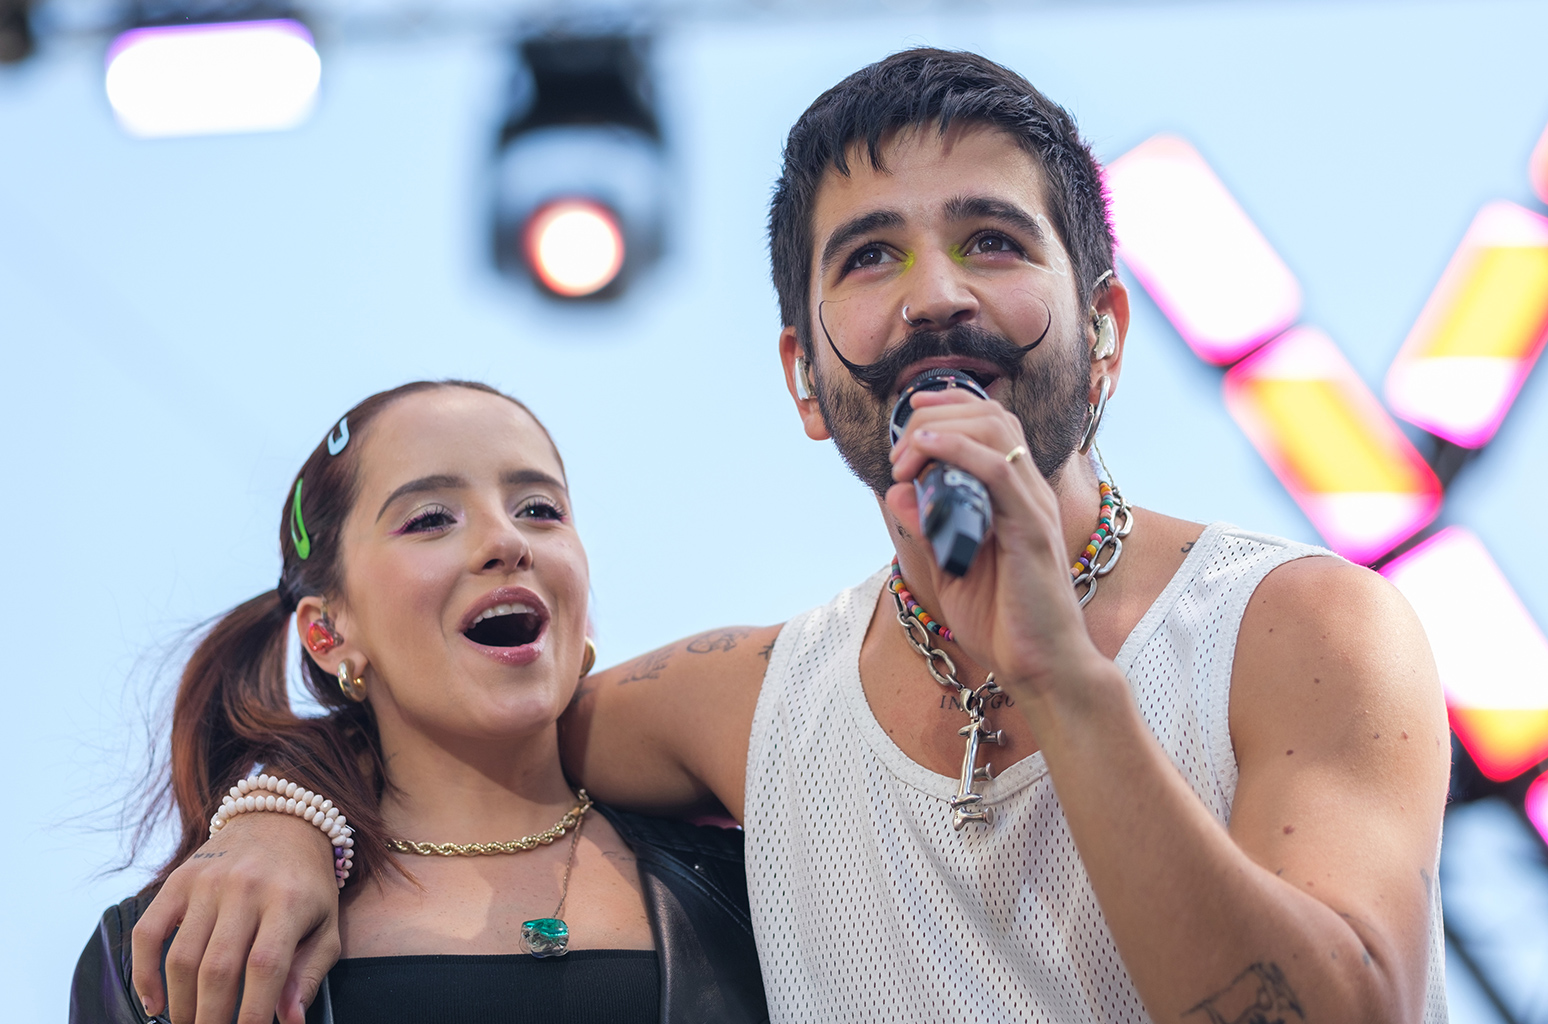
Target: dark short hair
914, 89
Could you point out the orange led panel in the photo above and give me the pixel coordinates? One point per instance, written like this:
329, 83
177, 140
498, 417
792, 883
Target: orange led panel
1331, 444
1480, 332
1492, 658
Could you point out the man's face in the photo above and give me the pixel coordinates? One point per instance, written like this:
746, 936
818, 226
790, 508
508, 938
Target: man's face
957, 231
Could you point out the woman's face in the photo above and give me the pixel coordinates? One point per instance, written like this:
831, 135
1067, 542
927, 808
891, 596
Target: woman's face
465, 583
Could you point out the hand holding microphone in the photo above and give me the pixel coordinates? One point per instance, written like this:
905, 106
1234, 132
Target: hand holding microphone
954, 509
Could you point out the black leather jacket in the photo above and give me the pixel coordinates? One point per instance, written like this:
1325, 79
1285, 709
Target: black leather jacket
695, 895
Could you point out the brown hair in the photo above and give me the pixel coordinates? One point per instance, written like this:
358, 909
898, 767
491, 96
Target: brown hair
922, 88
232, 710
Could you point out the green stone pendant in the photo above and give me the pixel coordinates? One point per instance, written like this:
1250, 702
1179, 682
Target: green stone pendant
546, 936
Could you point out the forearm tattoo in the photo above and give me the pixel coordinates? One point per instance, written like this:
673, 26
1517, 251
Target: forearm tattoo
717, 640
647, 666
1258, 995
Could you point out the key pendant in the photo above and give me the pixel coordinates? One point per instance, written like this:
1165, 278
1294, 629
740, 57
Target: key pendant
967, 805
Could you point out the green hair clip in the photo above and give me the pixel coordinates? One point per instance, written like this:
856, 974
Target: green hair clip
298, 537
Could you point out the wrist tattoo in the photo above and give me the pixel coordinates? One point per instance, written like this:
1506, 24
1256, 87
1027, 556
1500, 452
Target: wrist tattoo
1258, 995
207, 856
717, 640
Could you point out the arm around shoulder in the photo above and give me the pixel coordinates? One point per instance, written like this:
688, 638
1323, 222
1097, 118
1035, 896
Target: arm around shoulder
667, 733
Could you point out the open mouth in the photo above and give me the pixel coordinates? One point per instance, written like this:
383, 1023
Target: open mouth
506, 625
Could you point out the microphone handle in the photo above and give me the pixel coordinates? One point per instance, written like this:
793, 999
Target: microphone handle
954, 511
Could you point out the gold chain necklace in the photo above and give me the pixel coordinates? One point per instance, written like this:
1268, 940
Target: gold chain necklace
918, 626
546, 837
544, 936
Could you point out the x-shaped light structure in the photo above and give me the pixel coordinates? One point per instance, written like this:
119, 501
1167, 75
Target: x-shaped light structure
1332, 443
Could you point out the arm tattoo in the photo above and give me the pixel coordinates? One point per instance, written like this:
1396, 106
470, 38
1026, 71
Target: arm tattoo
767, 652
717, 640
1259, 995
647, 666
1187, 547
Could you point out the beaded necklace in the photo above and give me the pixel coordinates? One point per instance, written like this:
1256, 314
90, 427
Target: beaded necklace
1084, 573
967, 805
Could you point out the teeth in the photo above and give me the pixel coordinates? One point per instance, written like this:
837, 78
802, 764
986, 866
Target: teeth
502, 609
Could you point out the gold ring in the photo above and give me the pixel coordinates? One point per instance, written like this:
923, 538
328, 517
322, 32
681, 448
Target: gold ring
1015, 453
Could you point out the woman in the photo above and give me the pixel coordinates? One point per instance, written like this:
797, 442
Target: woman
434, 576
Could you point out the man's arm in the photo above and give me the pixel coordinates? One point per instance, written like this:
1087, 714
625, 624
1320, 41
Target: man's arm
1317, 898
258, 908
667, 733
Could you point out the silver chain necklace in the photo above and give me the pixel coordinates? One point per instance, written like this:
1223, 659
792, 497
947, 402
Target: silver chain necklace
968, 805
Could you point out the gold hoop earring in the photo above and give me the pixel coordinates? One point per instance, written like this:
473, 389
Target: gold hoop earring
351, 685
589, 659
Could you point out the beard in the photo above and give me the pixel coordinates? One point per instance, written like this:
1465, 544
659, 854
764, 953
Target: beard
1048, 397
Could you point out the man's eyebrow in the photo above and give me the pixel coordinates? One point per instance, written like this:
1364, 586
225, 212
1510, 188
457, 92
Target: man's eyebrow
440, 481
855, 227
985, 207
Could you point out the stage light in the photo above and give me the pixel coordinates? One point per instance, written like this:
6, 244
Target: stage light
575, 247
16, 36
1539, 167
1537, 805
1196, 251
1331, 444
1480, 332
213, 78
579, 187
1492, 658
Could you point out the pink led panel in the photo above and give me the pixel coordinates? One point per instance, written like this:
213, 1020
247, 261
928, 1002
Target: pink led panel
1331, 444
1197, 253
1539, 168
1481, 331
1492, 658
1537, 805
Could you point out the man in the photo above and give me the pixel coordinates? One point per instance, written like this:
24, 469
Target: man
1215, 790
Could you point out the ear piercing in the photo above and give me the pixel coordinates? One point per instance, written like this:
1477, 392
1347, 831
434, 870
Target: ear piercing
351, 685
320, 637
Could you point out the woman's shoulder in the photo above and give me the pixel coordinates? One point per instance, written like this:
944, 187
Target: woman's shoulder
102, 990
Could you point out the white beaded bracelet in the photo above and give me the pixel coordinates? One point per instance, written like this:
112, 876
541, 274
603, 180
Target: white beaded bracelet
269, 793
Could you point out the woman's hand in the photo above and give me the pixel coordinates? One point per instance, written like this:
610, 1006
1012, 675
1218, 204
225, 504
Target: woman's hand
1015, 610
256, 913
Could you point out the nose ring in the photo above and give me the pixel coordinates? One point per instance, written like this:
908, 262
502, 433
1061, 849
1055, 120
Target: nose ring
910, 321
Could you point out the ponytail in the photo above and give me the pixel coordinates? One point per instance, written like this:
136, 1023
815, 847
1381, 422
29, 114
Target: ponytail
233, 712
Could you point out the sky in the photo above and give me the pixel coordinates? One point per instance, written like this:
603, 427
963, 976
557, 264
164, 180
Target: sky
181, 321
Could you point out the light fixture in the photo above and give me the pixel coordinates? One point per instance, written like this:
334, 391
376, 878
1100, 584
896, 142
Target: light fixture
16, 37
574, 246
1492, 658
579, 191
1196, 251
1481, 331
213, 77
1332, 445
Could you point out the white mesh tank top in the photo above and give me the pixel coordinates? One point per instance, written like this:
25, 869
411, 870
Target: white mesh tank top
865, 903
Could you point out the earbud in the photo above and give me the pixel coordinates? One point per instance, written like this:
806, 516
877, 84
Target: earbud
802, 381
1106, 338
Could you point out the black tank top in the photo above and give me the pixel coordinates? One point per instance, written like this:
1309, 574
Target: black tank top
588, 986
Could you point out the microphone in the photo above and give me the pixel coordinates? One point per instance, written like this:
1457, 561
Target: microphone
953, 504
